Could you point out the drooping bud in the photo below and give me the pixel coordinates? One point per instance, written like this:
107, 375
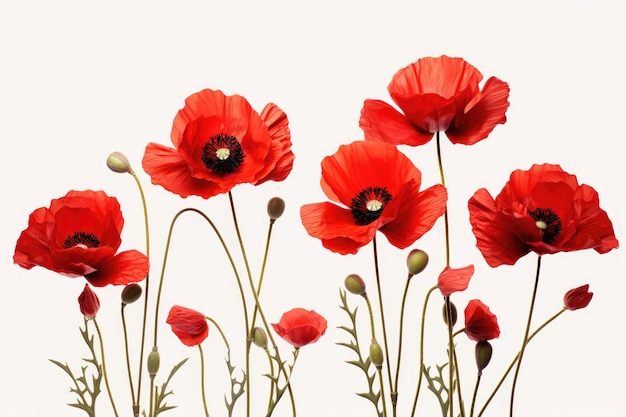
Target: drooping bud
154, 362
131, 293
355, 284
89, 303
376, 354
416, 261
275, 208
117, 162
483, 355
259, 337
452, 313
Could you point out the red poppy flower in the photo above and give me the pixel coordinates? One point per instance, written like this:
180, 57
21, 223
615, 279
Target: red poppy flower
577, 298
219, 142
79, 235
379, 186
300, 327
88, 302
454, 279
189, 325
543, 210
480, 323
436, 95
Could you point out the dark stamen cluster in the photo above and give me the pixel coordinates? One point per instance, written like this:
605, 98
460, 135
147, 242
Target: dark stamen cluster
227, 165
361, 213
83, 239
551, 219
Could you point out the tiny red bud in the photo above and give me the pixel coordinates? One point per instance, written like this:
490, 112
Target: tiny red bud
88, 303
577, 298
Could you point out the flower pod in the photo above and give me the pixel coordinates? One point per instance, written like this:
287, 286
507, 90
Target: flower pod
376, 354
89, 303
577, 298
154, 362
417, 261
355, 284
453, 313
117, 162
483, 355
131, 293
259, 337
275, 208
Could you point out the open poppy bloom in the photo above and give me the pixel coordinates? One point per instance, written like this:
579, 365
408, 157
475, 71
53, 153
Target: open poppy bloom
577, 298
219, 142
454, 279
79, 235
300, 327
543, 210
189, 325
437, 95
480, 323
380, 189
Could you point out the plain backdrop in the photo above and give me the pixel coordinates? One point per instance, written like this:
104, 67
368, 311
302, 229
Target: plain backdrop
80, 79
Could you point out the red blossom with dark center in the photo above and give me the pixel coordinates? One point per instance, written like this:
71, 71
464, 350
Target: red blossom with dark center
577, 298
219, 142
300, 327
79, 235
379, 189
189, 325
437, 95
480, 323
543, 210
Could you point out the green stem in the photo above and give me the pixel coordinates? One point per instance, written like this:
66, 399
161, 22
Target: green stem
126, 350
514, 361
475, 392
422, 330
104, 367
206, 408
526, 333
445, 214
450, 357
394, 390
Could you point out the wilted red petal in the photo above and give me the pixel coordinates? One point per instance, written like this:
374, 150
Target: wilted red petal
480, 323
454, 279
300, 327
189, 325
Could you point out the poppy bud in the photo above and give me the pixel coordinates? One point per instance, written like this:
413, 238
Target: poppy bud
416, 261
88, 302
117, 162
483, 355
453, 314
355, 284
275, 207
154, 362
576, 298
259, 337
376, 354
131, 293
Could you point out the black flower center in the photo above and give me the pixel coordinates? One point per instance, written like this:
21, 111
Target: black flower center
548, 221
222, 154
369, 204
82, 240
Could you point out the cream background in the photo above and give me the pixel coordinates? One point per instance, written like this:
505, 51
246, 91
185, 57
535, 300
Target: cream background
81, 79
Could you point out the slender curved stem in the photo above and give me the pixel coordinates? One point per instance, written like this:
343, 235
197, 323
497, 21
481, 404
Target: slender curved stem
206, 408
126, 350
394, 390
421, 370
451, 354
104, 367
526, 333
445, 214
475, 392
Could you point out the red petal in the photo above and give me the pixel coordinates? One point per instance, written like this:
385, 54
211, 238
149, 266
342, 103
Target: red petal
122, 269
280, 153
381, 122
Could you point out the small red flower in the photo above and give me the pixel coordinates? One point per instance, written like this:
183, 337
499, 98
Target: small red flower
219, 142
380, 189
88, 302
436, 95
79, 235
454, 279
542, 210
577, 298
189, 325
480, 323
300, 327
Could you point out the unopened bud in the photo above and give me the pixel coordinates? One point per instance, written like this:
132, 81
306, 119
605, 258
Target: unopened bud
416, 261
355, 284
154, 362
452, 313
275, 208
117, 162
483, 355
131, 293
376, 354
259, 337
